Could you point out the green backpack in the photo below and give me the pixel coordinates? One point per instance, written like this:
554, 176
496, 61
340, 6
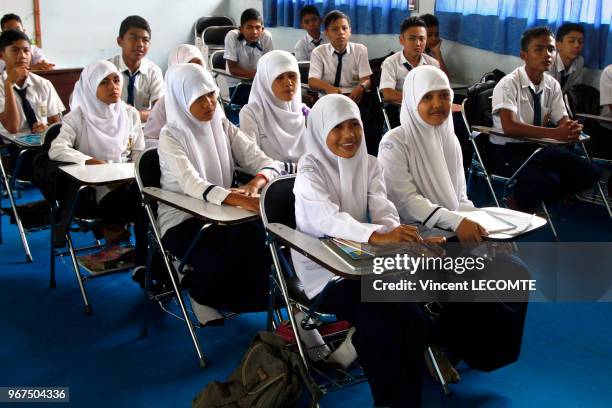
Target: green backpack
269, 376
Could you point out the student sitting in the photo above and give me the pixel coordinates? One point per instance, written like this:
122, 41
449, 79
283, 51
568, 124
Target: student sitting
275, 117
605, 103
101, 128
197, 150
568, 65
183, 54
434, 42
143, 82
343, 67
13, 22
243, 48
27, 101
524, 102
311, 22
340, 192
413, 38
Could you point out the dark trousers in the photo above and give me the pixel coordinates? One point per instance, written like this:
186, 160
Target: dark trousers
554, 173
390, 340
231, 264
240, 94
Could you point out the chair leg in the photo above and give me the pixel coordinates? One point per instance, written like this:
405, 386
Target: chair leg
434, 363
550, 223
77, 272
22, 233
148, 277
52, 283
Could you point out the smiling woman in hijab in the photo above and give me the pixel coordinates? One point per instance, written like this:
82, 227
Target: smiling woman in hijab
275, 116
197, 149
183, 54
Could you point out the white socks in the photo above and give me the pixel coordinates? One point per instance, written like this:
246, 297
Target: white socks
345, 354
204, 313
315, 345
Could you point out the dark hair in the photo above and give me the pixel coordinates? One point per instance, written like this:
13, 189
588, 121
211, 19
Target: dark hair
567, 28
535, 32
333, 16
310, 9
412, 22
430, 20
8, 37
133, 22
248, 15
9, 17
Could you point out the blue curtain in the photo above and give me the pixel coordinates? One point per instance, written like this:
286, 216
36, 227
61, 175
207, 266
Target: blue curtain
367, 16
496, 25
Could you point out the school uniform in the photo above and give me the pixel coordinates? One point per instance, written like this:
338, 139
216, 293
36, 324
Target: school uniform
157, 118
305, 45
605, 94
143, 87
42, 100
246, 54
567, 77
37, 56
276, 126
555, 172
197, 159
111, 133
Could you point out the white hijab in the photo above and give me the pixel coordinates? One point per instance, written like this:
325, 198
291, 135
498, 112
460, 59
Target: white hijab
183, 54
283, 122
206, 144
434, 152
106, 128
348, 177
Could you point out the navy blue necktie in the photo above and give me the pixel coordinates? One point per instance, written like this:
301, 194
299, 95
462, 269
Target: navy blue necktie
317, 43
339, 68
27, 107
564, 77
255, 44
537, 107
408, 66
130, 87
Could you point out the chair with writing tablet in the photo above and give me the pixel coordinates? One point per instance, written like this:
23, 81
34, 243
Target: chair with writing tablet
220, 73
203, 23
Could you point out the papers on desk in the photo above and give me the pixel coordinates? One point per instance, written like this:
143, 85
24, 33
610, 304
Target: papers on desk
32, 139
495, 219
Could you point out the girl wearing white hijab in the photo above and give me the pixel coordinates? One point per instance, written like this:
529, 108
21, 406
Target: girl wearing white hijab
101, 128
197, 149
183, 54
275, 116
340, 192
422, 158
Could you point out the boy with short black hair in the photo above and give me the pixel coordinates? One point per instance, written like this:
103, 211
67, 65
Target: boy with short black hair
568, 65
311, 22
12, 21
413, 38
28, 103
143, 82
524, 103
434, 42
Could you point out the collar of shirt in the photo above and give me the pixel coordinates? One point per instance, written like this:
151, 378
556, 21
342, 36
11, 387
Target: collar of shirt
525, 82
27, 82
404, 60
310, 39
348, 49
121, 66
561, 67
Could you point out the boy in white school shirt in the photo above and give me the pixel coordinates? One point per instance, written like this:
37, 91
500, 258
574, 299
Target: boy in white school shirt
27, 101
13, 22
568, 65
243, 48
434, 42
311, 22
605, 102
524, 103
143, 82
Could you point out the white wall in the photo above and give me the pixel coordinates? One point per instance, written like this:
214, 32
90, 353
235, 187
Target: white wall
24, 9
76, 32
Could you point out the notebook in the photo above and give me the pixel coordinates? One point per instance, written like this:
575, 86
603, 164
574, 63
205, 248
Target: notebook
32, 139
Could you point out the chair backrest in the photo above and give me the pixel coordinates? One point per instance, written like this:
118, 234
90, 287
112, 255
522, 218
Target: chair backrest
215, 35
304, 67
204, 22
278, 201
478, 104
50, 134
216, 59
148, 172
583, 99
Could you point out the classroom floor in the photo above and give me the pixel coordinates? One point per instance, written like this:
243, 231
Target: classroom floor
47, 340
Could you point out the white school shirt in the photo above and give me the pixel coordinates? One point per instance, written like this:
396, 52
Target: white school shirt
42, 97
575, 71
355, 65
155, 123
511, 93
180, 176
37, 56
304, 47
320, 217
149, 84
244, 55
393, 71
411, 205
605, 94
